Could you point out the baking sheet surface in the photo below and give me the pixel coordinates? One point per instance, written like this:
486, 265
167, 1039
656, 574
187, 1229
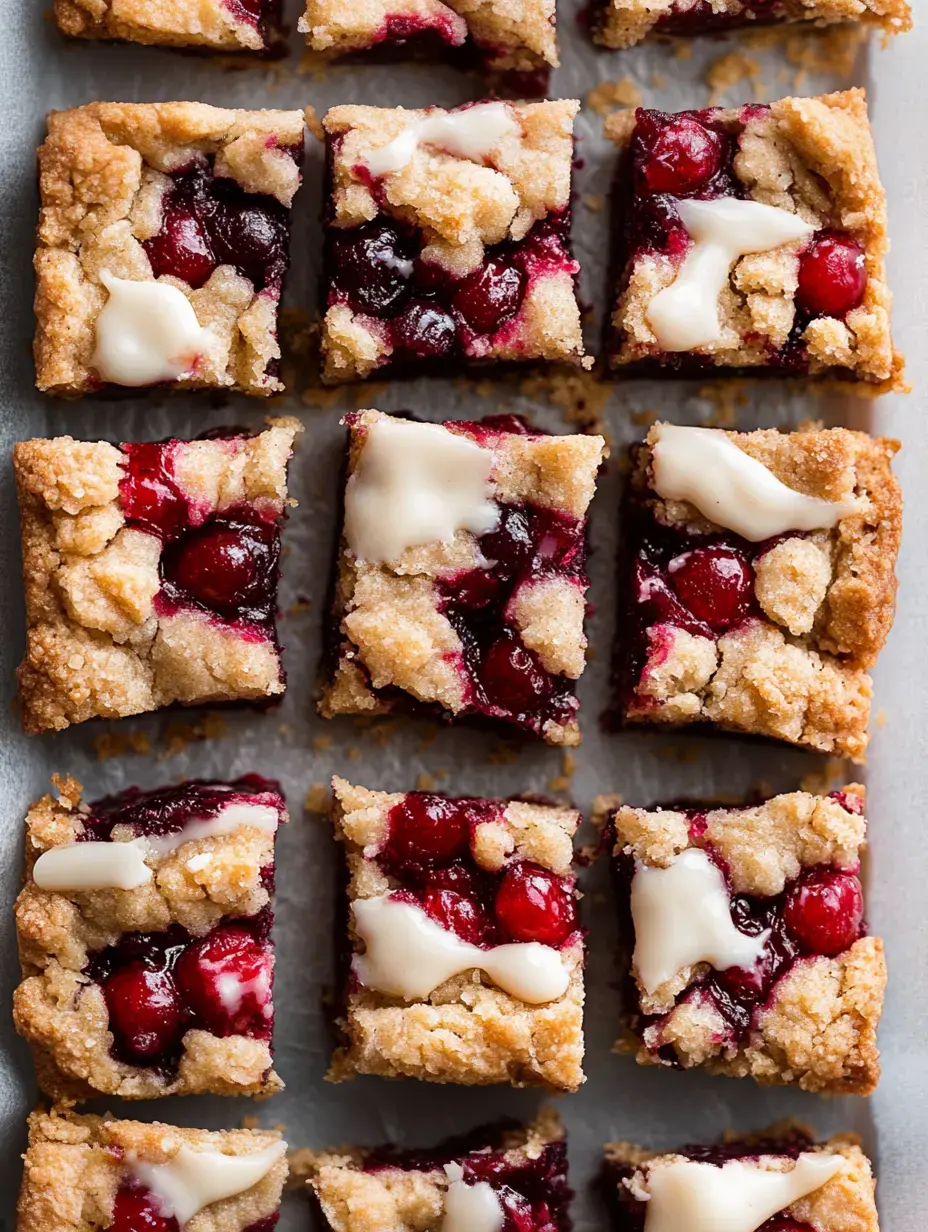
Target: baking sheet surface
39, 72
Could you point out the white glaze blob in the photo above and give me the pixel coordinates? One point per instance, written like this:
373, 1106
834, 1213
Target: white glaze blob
469, 133
147, 332
706, 468
470, 1208
409, 955
121, 866
685, 315
192, 1180
686, 1196
682, 916
416, 483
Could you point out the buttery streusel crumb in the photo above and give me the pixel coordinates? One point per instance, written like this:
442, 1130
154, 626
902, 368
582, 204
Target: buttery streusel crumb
211, 24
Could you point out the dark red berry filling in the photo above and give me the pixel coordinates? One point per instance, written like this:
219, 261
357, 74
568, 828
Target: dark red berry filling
700, 17
168, 809
136, 1210
832, 276
427, 855
158, 986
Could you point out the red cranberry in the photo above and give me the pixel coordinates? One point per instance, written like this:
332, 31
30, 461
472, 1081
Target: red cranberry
226, 566
510, 546
533, 904
784, 1223
427, 829
424, 331
148, 492
824, 912
135, 1211
145, 1009
832, 276
512, 678
680, 155
370, 266
249, 236
489, 296
715, 584
226, 979
457, 913
181, 248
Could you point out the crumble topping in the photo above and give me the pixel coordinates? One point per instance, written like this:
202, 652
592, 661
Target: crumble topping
177, 23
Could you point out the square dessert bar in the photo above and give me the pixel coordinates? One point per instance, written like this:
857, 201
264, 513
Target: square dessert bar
461, 580
448, 238
748, 949
465, 958
163, 241
220, 25
501, 1176
514, 38
760, 581
95, 1172
752, 240
150, 573
622, 23
780, 1180
144, 930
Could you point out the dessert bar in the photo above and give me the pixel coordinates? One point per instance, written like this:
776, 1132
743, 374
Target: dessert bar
218, 25
464, 959
461, 578
144, 935
780, 1180
150, 573
747, 945
760, 581
622, 23
499, 1177
97, 1172
752, 240
163, 241
448, 238
515, 40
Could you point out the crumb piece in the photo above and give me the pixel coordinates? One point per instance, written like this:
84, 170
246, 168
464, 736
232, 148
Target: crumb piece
730, 70
610, 95
120, 743
317, 799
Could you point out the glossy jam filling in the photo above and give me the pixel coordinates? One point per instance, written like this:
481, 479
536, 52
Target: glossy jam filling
699, 18
691, 154
157, 986
422, 310
819, 914
427, 855
137, 1210
168, 809
534, 1192
209, 220
222, 563
399, 27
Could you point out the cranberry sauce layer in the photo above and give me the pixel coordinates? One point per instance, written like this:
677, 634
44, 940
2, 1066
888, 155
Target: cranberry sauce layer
157, 986
267, 18
699, 18
427, 855
819, 914
533, 1192
209, 220
690, 154
136, 1209
224, 563
153, 814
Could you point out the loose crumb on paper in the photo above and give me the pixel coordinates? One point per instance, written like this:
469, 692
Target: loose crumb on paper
611, 95
178, 733
561, 782
580, 395
725, 398
728, 71
317, 799
880, 719
593, 202
120, 744
820, 782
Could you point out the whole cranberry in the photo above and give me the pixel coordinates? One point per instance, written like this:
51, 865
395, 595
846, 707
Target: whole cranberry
824, 912
227, 565
533, 904
424, 331
489, 296
148, 492
715, 584
512, 678
145, 1011
457, 913
226, 980
250, 236
832, 276
679, 155
134, 1210
511, 545
181, 248
428, 829
370, 266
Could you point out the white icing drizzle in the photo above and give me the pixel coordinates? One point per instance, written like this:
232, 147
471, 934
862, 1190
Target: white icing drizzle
193, 1180
682, 916
409, 955
706, 468
146, 332
470, 1208
416, 483
122, 866
470, 133
686, 1196
685, 315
